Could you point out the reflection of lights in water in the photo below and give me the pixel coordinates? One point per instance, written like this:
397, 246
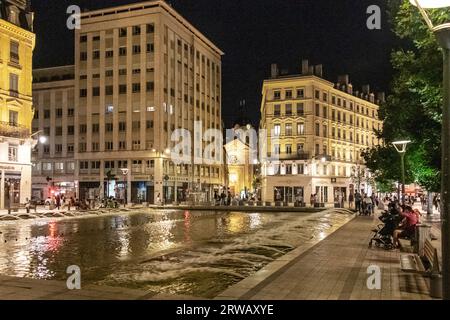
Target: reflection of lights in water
124, 244
255, 220
52, 229
187, 226
236, 222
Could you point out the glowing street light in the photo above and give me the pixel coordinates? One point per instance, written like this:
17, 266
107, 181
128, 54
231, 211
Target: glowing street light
442, 33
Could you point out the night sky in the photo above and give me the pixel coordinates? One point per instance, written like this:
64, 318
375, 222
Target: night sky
253, 34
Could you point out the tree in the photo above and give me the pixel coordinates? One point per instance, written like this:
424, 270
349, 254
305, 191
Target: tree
413, 110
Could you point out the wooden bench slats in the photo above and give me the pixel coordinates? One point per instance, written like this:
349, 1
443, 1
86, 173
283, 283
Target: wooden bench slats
413, 262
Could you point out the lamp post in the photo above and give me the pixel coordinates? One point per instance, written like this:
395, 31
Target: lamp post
400, 146
442, 33
125, 182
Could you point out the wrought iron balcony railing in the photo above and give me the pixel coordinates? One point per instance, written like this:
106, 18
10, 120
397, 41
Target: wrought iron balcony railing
13, 130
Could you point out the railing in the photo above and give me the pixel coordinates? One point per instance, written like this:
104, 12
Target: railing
290, 156
13, 130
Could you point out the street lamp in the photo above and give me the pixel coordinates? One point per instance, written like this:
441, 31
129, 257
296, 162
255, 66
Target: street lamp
400, 146
442, 33
125, 174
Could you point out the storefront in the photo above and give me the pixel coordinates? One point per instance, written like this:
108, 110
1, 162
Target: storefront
15, 185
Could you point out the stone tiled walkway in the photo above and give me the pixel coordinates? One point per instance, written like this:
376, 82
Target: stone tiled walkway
336, 269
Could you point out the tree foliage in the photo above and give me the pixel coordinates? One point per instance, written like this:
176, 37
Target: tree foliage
413, 110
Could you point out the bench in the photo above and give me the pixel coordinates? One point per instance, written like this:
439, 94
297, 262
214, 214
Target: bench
427, 265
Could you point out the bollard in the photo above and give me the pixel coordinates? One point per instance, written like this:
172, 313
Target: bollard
436, 286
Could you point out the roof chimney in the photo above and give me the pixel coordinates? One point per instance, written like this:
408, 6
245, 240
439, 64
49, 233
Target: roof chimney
343, 79
305, 66
311, 70
366, 89
381, 96
350, 88
318, 70
273, 70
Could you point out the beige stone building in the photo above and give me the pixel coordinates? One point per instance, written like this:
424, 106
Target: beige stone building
54, 117
17, 42
141, 71
316, 132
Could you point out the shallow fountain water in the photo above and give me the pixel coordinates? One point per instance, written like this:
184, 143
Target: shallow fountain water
173, 252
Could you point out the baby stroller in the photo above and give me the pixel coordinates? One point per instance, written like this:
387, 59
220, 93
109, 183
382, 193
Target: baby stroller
382, 236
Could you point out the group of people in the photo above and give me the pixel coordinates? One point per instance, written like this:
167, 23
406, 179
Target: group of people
365, 204
62, 202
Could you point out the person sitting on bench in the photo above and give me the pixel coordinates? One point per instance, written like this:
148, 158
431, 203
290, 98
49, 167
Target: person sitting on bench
407, 226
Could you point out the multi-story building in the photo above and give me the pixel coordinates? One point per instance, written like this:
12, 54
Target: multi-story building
54, 118
316, 132
17, 42
141, 71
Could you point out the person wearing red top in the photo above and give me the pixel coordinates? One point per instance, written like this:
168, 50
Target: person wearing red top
407, 226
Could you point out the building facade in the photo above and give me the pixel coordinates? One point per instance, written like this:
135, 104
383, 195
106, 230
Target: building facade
316, 131
17, 42
141, 71
54, 118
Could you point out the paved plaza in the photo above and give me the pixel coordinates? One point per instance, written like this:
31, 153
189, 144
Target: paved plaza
334, 268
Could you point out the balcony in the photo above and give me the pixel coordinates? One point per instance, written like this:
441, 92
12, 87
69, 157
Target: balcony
290, 156
13, 130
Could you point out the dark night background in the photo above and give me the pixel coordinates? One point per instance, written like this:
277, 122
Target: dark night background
253, 34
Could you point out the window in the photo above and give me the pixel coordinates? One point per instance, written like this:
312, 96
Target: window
123, 89
13, 118
109, 108
46, 149
150, 47
109, 53
136, 87
109, 73
109, 164
96, 38
276, 110
84, 165
317, 94
47, 166
122, 145
324, 111
122, 126
13, 85
150, 86
96, 91
83, 56
70, 148
108, 90
150, 28
108, 127
95, 165
149, 124
288, 149
47, 131
13, 153
276, 95
59, 113
300, 93
289, 109
58, 131
70, 166
136, 49
288, 94
122, 32
300, 148
136, 30
109, 145
83, 93
288, 129
70, 112
95, 146
122, 51
317, 149
96, 55
58, 148
300, 109
276, 149
14, 51
300, 128
136, 125
317, 110
317, 126
276, 130
95, 128
136, 144
83, 38
83, 128
289, 169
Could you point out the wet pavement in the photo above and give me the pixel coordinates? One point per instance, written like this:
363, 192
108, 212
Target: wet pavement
168, 252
